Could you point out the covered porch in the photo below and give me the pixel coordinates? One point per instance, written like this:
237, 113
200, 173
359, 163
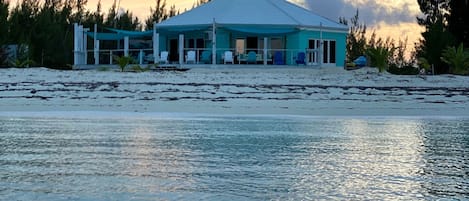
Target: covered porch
220, 44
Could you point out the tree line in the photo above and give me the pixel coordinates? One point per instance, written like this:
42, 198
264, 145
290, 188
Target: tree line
441, 49
46, 28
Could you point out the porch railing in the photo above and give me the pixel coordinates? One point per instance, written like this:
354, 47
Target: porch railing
268, 56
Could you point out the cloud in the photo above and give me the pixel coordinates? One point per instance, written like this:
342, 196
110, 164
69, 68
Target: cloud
373, 12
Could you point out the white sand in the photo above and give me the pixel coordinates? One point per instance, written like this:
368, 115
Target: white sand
259, 91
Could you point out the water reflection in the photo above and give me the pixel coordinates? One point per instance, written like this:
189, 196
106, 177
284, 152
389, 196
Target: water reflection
237, 158
446, 152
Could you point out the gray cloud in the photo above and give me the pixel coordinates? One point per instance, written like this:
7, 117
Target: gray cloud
371, 13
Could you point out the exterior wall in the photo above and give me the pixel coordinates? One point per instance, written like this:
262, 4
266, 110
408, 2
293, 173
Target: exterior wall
223, 43
299, 41
163, 43
292, 43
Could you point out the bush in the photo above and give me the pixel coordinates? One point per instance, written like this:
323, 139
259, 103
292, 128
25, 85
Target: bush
379, 57
124, 61
457, 58
3, 57
405, 70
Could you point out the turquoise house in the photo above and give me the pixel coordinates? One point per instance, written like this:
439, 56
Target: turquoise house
272, 32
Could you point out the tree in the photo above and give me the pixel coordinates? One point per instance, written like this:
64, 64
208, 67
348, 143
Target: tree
158, 14
458, 19
51, 42
457, 58
436, 36
123, 20
200, 2
3, 21
380, 52
96, 17
356, 39
22, 20
3, 30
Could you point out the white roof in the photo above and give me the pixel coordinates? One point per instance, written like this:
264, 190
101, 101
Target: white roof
274, 13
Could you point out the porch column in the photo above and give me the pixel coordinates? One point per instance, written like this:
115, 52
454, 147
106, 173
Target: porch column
96, 45
214, 43
126, 46
96, 52
85, 47
76, 49
156, 45
321, 47
265, 51
140, 57
181, 49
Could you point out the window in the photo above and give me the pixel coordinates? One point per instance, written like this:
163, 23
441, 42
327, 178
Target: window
332, 52
329, 55
240, 45
325, 54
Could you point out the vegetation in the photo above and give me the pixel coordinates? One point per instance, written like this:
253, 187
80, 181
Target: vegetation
21, 63
382, 53
139, 69
46, 27
123, 62
379, 57
159, 13
356, 39
3, 30
457, 58
445, 23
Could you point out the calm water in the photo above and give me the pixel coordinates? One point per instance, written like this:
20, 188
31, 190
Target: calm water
232, 158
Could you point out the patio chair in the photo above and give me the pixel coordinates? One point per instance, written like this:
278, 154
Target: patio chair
190, 57
252, 57
278, 58
228, 58
206, 57
164, 57
300, 59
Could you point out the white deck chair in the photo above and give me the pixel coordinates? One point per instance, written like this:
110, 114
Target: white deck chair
229, 57
164, 57
190, 57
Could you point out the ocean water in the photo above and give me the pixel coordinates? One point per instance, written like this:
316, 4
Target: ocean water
171, 157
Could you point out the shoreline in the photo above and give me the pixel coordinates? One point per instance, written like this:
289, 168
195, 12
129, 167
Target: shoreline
236, 91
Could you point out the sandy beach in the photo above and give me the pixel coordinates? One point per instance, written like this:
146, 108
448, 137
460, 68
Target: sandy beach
235, 90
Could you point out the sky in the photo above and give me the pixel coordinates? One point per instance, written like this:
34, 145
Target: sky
393, 18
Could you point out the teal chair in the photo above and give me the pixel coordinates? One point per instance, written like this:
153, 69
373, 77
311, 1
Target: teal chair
206, 57
252, 57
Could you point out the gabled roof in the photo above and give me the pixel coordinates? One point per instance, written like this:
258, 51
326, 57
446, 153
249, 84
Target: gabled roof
272, 13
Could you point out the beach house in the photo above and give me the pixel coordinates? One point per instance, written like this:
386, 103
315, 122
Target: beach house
262, 32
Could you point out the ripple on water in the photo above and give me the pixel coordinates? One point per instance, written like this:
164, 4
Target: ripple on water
239, 158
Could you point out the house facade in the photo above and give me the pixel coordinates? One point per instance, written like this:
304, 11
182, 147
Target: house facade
276, 30
263, 32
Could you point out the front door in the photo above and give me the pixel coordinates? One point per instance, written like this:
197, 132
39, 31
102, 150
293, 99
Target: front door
329, 55
173, 50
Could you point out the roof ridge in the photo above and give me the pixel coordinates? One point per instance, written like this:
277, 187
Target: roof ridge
283, 11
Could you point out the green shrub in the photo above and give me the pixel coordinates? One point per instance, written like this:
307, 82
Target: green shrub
21, 63
138, 68
405, 70
103, 68
3, 56
123, 62
457, 58
379, 57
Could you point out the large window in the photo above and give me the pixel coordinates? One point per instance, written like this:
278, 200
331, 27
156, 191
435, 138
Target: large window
329, 56
240, 46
